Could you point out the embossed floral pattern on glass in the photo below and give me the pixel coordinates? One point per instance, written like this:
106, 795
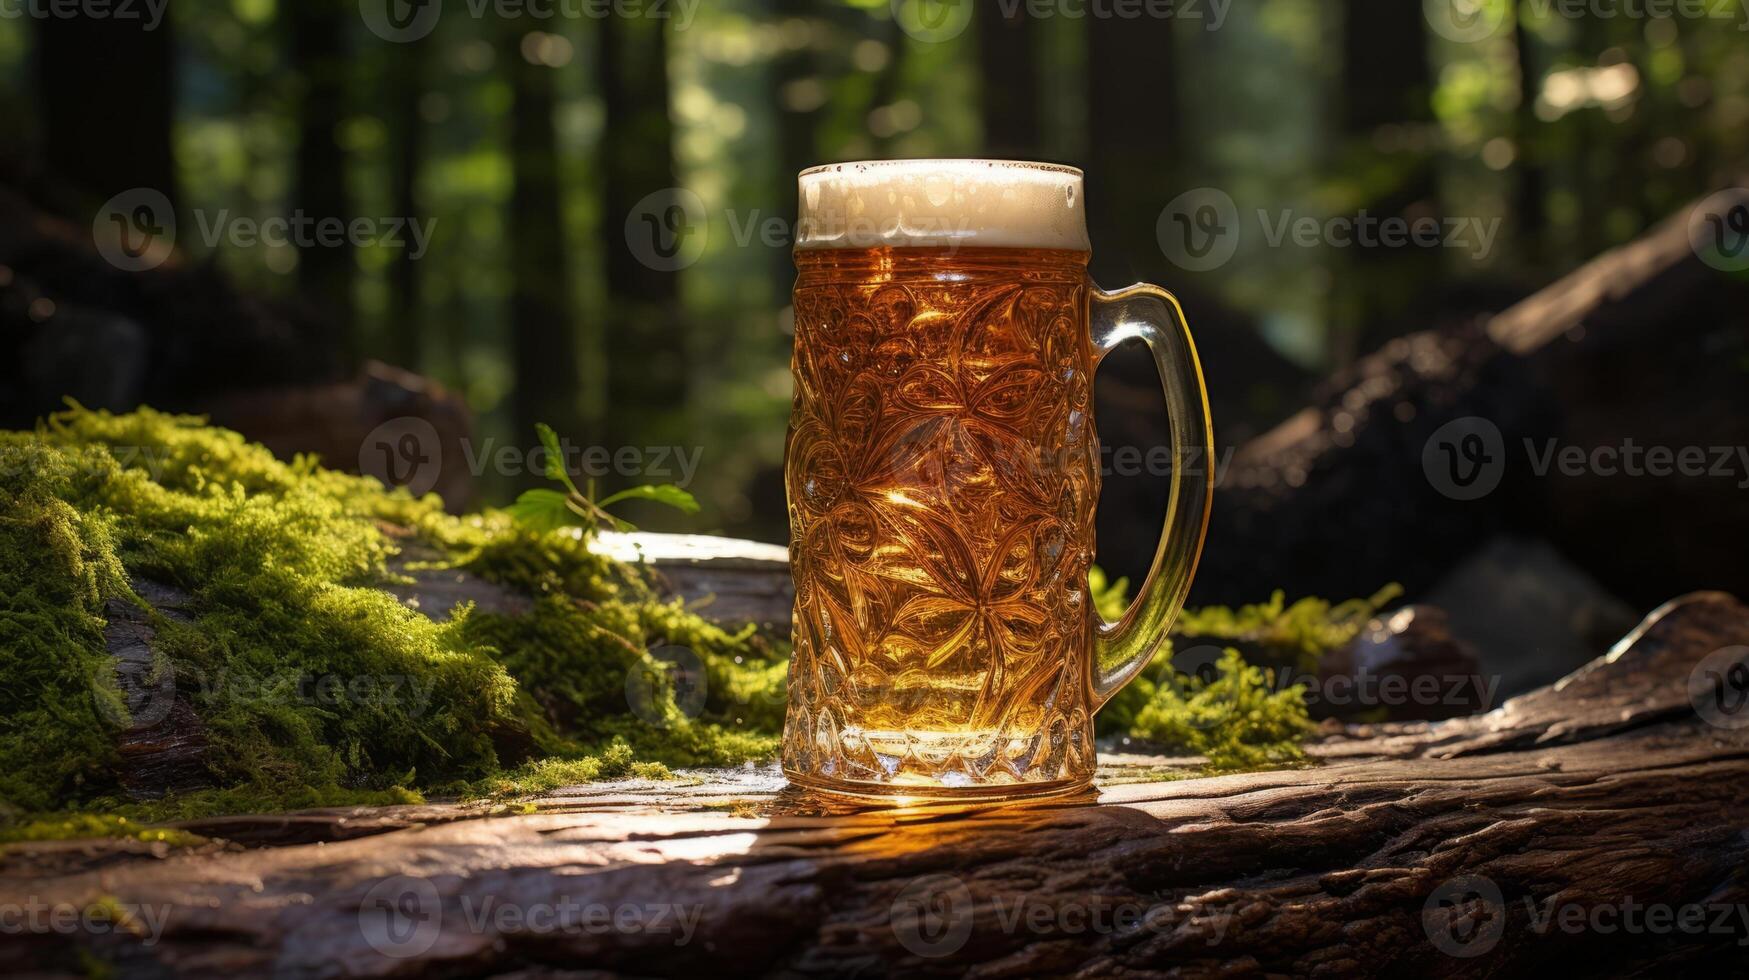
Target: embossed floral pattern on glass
942, 471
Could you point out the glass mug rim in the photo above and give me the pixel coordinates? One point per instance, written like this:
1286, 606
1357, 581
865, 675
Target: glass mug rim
988, 162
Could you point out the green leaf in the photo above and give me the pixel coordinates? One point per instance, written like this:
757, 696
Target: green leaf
555, 457
662, 493
544, 510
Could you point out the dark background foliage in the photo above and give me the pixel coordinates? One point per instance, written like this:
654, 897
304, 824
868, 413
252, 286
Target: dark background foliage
530, 146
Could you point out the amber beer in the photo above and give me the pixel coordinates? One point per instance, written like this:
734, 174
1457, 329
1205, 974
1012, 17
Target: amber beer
942, 473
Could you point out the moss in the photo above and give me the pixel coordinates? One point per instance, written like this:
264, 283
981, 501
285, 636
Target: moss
311, 682
552, 563
57, 568
256, 798
1234, 715
545, 775
84, 825
1298, 634
1236, 719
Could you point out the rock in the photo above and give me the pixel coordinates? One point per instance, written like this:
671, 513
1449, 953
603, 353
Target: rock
1530, 614
1404, 666
96, 358
397, 426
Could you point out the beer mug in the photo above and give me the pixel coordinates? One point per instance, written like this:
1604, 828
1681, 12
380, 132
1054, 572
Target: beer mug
942, 470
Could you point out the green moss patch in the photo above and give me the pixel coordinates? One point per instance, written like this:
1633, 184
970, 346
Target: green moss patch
313, 684
1232, 711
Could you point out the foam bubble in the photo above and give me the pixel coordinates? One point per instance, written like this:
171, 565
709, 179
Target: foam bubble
916, 203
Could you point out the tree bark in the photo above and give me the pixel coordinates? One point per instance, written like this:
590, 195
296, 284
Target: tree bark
1387, 86
648, 368
316, 47
1136, 142
1008, 73
798, 98
1530, 208
110, 130
406, 341
1414, 849
542, 329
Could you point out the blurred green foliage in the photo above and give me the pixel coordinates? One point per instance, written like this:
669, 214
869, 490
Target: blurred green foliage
1576, 133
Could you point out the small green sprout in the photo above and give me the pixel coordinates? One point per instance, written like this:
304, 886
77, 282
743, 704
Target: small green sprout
545, 509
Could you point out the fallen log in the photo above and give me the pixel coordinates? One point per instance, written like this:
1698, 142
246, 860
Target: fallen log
1641, 347
1475, 844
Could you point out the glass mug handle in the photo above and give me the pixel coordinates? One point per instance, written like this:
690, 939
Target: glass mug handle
1151, 314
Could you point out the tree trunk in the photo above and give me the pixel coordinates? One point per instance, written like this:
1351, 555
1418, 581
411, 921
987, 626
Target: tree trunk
1530, 208
1008, 72
799, 98
542, 330
647, 349
406, 346
108, 131
1387, 85
317, 50
1136, 142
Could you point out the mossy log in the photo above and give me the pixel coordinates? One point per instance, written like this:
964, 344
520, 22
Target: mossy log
162, 745
1422, 848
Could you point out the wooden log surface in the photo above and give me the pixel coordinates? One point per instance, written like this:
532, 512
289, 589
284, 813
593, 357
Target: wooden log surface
1543, 834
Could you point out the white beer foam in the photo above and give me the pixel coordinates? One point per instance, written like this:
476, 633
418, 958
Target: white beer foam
917, 203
